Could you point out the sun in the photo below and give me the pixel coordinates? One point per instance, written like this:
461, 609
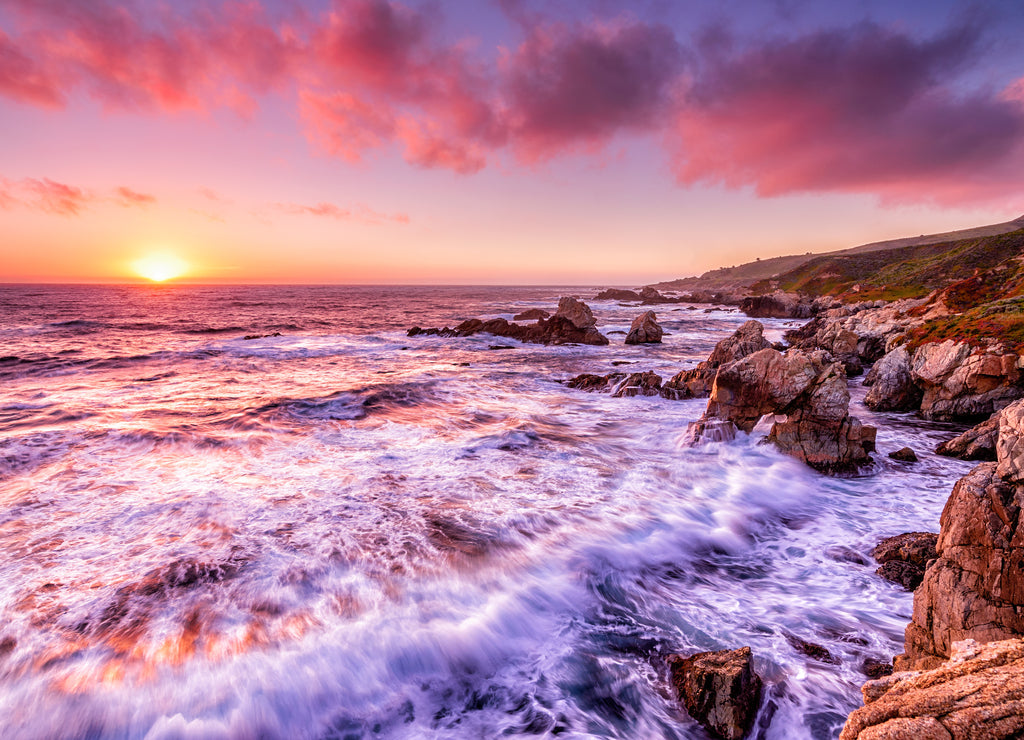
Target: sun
159, 267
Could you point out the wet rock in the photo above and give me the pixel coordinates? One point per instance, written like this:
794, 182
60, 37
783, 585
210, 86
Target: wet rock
617, 294
250, 337
697, 383
892, 384
644, 330
875, 668
575, 312
961, 382
531, 314
977, 443
809, 391
720, 690
907, 575
811, 649
638, 384
905, 557
844, 554
904, 454
594, 383
978, 693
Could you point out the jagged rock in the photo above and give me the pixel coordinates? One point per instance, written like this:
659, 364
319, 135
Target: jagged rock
592, 383
904, 454
830, 335
977, 443
892, 385
809, 390
779, 305
617, 294
720, 690
638, 384
573, 323
904, 557
576, 312
531, 314
697, 383
978, 694
875, 668
811, 649
644, 330
961, 382
975, 589
1010, 444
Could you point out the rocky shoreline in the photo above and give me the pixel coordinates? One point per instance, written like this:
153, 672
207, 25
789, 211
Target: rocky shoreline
968, 580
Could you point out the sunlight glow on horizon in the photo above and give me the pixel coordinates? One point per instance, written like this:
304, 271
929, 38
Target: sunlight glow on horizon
160, 267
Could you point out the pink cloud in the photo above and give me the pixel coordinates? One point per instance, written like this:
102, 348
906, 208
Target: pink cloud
578, 86
128, 197
24, 79
867, 110
359, 213
55, 197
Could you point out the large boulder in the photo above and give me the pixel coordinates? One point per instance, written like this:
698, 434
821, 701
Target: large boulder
617, 294
720, 690
809, 391
575, 312
977, 443
697, 383
644, 330
531, 314
779, 305
962, 382
978, 694
892, 385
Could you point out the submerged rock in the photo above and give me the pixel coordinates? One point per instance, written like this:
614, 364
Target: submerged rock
978, 693
644, 330
720, 690
697, 383
904, 454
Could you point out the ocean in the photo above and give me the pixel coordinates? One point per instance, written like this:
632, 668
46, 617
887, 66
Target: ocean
345, 532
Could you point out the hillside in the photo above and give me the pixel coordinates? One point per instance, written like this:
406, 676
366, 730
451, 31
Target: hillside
743, 276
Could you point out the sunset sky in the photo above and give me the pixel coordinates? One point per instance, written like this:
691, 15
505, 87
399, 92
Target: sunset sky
495, 141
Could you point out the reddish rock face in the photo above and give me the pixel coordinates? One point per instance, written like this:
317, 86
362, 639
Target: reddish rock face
979, 693
697, 383
810, 391
975, 589
977, 443
576, 312
644, 330
961, 382
720, 690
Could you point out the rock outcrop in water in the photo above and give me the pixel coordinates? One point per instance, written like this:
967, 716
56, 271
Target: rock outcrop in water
977, 443
697, 383
892, 384
573, 323
620, 385
978, 693
903, 558
617, 294
720, 690
531, 314
809, 391
645, 329
778, 305
975, 589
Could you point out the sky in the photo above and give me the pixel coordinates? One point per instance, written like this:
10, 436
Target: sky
563, 142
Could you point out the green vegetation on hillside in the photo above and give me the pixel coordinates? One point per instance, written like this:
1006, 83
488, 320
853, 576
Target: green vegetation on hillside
1000, 320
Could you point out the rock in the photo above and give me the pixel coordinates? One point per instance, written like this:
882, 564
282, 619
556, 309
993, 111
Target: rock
811, 649
779, 305
531, 314
975, 587
617, 294
576, 312
593, 383
917, 548
977, 443
965, 383
573, 325
638, 384
875, 668
892, 384
697, 383
1010, 444
907, 575
720, 690
978, 694
904, 454
644, 330
809, 390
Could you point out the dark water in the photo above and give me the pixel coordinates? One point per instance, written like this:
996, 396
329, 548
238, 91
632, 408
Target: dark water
342, 532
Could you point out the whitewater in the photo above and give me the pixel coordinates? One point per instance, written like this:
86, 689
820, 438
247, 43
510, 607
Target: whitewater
332, 530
